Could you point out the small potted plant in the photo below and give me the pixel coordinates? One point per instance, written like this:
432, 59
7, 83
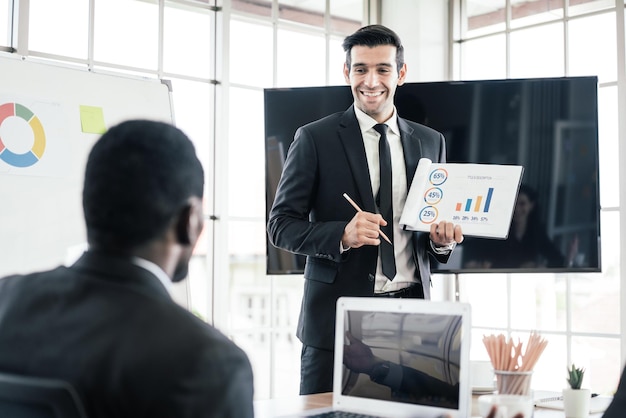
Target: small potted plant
575, 398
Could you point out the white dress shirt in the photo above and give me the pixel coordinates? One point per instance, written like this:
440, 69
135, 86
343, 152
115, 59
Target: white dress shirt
403, 249
154, 269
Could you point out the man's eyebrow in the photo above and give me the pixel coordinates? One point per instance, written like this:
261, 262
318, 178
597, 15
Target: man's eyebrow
382, 64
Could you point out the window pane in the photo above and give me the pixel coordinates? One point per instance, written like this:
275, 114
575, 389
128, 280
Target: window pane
257, 347
250, 303
599, 357
484, 304
595, 297
182, 53
301, 59
336, 61
5, 22
478, 351
250, 54
47, 34
246, 151
530, 12
538, 302
593, 49
249, 306
485, 16
287, 349
310, 12
192, 103
127, 38
289, 289
346, 15
484, 58
549, 371
246, 249
609, 142
256, 7
199, 281
537, 52
288, 294
585, 6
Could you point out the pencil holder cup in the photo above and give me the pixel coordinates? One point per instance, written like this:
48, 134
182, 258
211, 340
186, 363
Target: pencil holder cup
513, 383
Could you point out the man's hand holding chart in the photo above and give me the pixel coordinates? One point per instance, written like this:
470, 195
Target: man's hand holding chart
478, 197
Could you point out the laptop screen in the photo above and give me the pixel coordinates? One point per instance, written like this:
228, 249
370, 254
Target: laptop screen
410, 356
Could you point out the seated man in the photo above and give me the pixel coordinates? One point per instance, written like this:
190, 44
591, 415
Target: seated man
617, 408
107, 324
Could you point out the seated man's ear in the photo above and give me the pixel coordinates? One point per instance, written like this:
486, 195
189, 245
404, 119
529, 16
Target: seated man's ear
190, 222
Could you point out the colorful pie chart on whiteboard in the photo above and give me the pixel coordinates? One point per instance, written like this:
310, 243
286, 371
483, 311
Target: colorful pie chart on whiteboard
36, 136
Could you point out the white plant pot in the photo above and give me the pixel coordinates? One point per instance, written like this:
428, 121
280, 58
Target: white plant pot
576, 402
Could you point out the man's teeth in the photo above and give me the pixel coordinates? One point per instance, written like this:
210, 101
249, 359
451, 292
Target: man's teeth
372, 93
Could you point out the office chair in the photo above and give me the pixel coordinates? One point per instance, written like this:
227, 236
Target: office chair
35, 397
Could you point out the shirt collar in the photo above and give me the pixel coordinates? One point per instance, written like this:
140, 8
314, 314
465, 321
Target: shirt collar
154, 269
366, 122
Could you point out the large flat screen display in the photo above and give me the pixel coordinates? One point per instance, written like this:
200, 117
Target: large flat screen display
547, 125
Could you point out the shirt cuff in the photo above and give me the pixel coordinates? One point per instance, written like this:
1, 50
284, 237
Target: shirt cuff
446, 249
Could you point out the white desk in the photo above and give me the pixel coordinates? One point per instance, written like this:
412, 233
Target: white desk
271, 408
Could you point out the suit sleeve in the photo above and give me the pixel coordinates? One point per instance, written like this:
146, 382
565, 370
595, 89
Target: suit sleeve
419, 385
290, 226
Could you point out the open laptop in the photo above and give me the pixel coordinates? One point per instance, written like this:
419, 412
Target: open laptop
401, 358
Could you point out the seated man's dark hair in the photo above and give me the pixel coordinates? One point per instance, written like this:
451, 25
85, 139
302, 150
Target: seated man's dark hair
371, 36
139, 175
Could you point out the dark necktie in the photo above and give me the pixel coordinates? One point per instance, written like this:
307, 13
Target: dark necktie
385, 205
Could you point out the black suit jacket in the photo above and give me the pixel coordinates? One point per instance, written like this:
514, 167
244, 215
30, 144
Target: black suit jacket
309, 214
617, 408
111, 329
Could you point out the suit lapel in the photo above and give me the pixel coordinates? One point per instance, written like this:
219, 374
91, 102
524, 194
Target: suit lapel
350, 135
412, 148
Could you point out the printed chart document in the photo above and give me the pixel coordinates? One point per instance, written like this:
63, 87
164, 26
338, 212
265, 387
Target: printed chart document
479, 197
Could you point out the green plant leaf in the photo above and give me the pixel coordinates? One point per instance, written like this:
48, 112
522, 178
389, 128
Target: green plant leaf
575, 376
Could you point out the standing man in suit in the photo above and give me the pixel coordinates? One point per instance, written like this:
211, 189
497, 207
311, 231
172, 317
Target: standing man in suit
107, 324
340, 154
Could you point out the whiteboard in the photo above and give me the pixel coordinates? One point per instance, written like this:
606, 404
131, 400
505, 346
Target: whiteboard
41, 218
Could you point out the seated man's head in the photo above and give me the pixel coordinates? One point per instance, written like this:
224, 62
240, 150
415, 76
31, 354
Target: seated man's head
142, 194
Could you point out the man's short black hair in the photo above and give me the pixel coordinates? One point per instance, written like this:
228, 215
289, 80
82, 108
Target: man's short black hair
371, 36
139, 175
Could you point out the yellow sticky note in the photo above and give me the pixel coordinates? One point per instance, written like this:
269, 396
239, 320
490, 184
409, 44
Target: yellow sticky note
92, 119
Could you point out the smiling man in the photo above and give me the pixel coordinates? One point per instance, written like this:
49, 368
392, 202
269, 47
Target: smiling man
340, 154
